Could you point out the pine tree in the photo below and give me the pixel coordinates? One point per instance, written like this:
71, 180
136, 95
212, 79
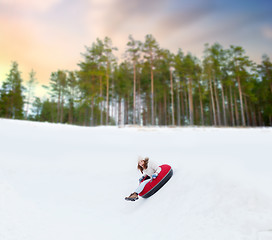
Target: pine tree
264, 90
58, 88
179, 70
37, 108
159, 88
110, 58
30, 90
72, 93
150, 48
134, 51
189, 65
11, 99
239, 64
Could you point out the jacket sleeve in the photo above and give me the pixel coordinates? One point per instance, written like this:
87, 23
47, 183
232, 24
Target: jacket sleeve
155, 167
158, 170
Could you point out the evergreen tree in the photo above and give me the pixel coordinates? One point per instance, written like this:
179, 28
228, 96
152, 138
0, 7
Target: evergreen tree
11, 99
239, 63
189, 63
151, 86
30, 90
110, 59
150, 48
179, 70
37, 108
134, 51
264, 91
72, 93
58, 87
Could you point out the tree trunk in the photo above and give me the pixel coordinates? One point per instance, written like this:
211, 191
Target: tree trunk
107, 78
147, 117
58, 114
160, 114
119, 111
52, 114
236, 110
61, 112
217, 103
191, 104
101, 102
231, 108
144, 117
253, 112
92, 112
182, 105
127, 110
248, 122
172, 99
260, 118
178, 105
152, 97
71, 105
213, 106
211, 113
201, 106
28, 101
196, 113
139, 103
241, 101
85, 116
186, 105
134, 93
224, 105
165, 109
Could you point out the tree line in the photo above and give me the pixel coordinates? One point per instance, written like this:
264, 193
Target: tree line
151, 86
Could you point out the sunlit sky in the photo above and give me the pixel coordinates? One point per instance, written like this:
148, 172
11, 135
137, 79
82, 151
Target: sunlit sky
50, 35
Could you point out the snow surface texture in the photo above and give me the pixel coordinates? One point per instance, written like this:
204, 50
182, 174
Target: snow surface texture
65, 182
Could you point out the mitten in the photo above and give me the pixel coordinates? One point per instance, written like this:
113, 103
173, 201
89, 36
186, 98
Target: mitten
141, 179
155, 175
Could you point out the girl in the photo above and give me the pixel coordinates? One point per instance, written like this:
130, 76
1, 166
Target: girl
150, 170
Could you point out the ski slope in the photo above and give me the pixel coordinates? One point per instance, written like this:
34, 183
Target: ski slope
66, 182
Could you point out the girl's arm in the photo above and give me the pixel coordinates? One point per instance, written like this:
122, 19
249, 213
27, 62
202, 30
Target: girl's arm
156, 168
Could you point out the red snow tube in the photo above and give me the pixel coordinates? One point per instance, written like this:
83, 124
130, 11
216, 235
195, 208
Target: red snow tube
154, 185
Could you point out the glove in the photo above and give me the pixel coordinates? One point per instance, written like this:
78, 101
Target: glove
155, 175
141, 179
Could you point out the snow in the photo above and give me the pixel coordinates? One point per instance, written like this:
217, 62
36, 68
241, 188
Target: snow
67, 182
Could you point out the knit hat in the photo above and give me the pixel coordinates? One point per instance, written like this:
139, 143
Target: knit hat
140, 158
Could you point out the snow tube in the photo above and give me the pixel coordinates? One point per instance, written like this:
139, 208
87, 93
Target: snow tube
154, 185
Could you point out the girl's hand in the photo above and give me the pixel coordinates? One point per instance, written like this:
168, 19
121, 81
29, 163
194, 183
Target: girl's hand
141, 179
155, 175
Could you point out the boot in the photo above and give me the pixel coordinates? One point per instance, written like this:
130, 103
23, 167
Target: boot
132, 197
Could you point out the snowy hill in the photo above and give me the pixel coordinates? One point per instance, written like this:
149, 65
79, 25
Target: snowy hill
66, 182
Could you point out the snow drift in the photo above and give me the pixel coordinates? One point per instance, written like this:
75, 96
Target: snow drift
66, 182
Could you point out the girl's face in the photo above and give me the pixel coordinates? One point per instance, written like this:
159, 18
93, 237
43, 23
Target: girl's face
141, 163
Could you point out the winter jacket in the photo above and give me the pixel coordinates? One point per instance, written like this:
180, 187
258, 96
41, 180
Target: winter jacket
151, 169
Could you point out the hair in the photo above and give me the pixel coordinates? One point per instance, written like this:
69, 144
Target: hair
145, 165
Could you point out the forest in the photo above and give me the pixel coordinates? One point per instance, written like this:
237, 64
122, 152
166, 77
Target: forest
151, 86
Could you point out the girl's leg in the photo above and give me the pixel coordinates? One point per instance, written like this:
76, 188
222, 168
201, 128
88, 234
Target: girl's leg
141, 186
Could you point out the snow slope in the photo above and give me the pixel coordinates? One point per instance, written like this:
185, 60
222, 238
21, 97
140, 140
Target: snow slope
66, 182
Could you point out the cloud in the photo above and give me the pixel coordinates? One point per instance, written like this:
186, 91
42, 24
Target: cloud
267, 32
162, 18
49, 35
36, 44
111, 17
183, 17
33, 5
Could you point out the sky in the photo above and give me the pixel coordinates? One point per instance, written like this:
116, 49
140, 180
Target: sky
50, 35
